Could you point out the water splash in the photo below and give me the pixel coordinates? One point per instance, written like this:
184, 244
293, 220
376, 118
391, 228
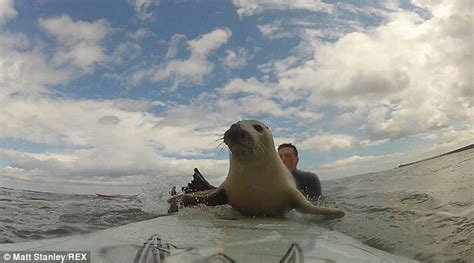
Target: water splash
156, 192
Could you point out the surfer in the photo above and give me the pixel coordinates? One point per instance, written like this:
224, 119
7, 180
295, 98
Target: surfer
308, 183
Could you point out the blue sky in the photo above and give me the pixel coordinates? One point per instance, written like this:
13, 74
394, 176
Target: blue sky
109, 96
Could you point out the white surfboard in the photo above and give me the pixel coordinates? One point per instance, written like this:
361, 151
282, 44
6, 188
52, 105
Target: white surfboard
187, 238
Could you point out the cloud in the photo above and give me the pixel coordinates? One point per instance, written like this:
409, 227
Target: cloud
404, 121
249, 86
99, 140
274, 30
242, 96
203, 45
252, 7
393, 75
348, 119
197, 66
235, 59
120, 129
141, 8
445, 140
27, 68
190, 70
351, 161
328, 142
140, 33
177, 41
109, 120
24, 69
81, 47
7, 11
128, 50
238, 87
131, 105
409, 75
451, 138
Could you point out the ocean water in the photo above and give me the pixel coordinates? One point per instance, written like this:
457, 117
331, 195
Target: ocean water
30, 215
424, 211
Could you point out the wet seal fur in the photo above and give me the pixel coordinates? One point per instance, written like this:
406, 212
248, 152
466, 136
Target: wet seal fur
258, 183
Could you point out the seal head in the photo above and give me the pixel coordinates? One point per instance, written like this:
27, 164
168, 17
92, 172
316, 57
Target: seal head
246, 139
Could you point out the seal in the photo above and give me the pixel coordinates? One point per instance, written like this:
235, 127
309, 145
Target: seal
258, 183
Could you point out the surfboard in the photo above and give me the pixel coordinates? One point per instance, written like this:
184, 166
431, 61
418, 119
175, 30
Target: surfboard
191, 238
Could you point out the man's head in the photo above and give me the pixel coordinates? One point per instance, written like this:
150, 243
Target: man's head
289, 155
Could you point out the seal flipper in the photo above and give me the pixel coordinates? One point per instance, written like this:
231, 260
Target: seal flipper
302, 205
210, 198
199, 183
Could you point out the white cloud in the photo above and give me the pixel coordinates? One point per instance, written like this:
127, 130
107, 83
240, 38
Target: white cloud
445, 140
421, 66
252, 7
7, 11
190, 70
132, 105
351, 161
404, 121
274, 30
128, 50
25, 69
248, 86
253, 106
411, 76
157, 103
348, 119
81, 47
445, 8
252, 97
452, 138
109, 120
137, 76
141, 8
278, 66
203, 45
120, 129
140, 34
60, 27
235, 59
118, 142
176, 41
328, 142
269, 30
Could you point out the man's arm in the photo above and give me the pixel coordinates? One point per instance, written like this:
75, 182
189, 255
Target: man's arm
313, 187
317, 186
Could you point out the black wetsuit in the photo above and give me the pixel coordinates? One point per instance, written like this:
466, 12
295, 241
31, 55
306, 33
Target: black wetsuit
308, 183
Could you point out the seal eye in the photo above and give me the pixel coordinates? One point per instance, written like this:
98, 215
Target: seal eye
258, 128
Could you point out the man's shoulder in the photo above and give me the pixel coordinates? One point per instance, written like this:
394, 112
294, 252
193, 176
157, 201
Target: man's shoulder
306, 174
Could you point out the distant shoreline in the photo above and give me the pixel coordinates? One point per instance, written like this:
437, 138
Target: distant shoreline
471, 146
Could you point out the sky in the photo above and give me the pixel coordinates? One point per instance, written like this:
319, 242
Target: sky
112, 96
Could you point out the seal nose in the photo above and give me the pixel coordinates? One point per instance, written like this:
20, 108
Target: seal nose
235, 127
234, 134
